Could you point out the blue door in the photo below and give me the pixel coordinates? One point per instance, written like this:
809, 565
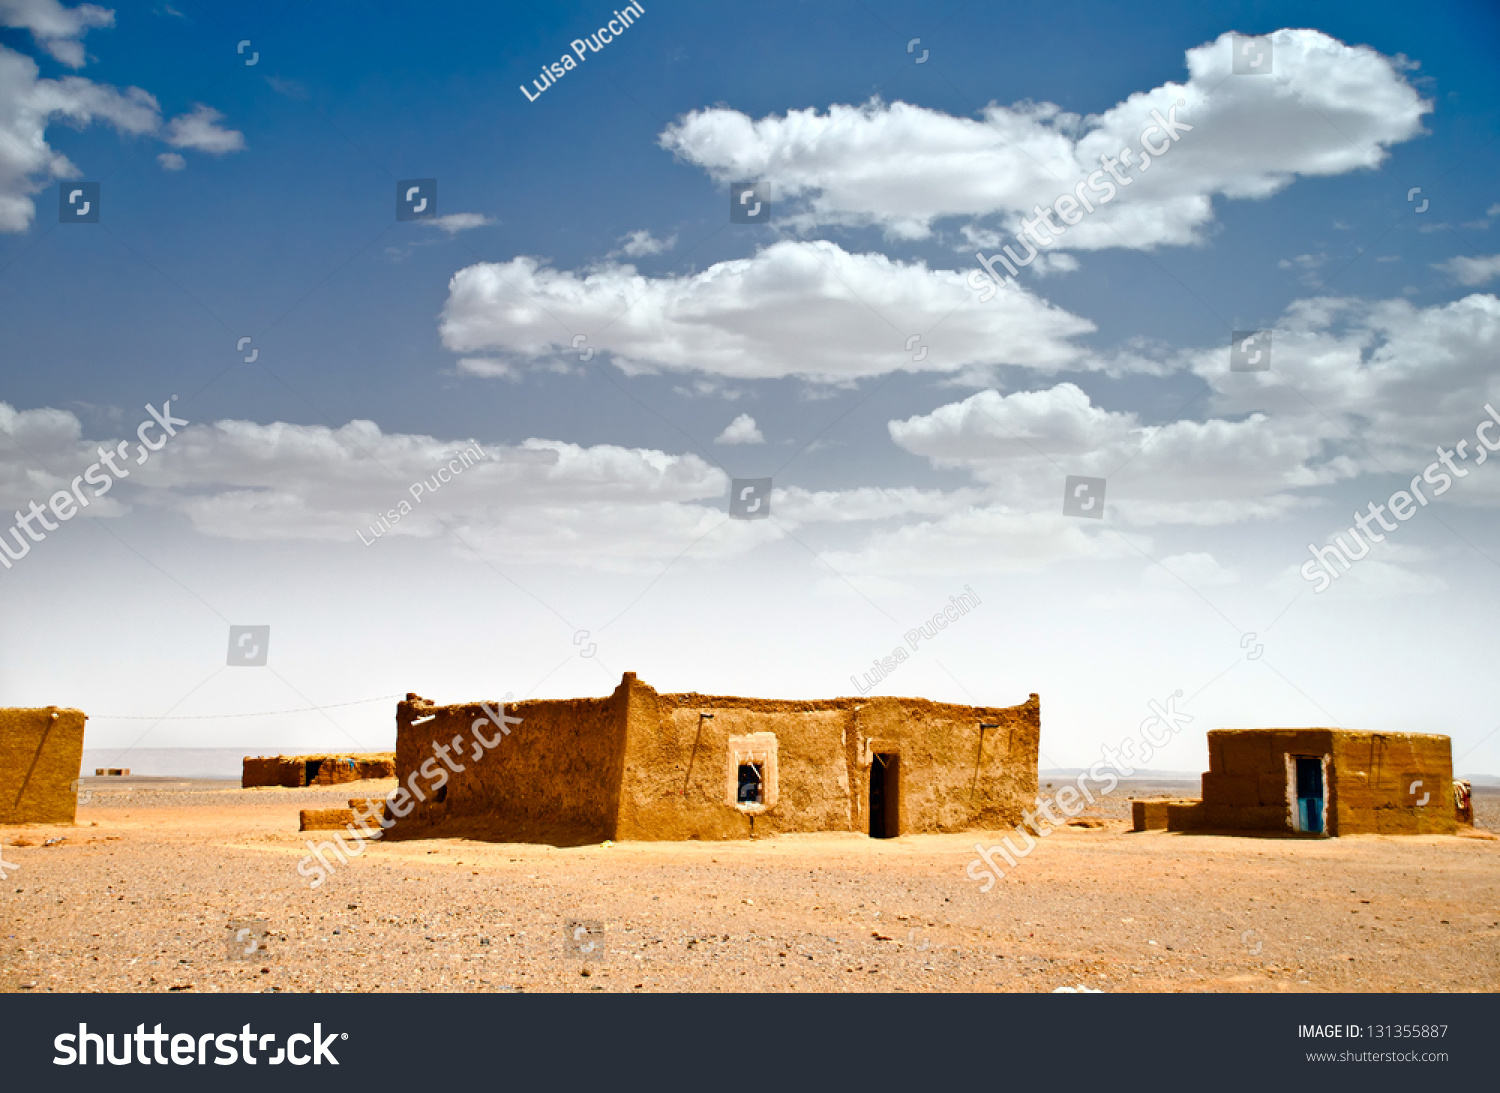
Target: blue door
1310, 793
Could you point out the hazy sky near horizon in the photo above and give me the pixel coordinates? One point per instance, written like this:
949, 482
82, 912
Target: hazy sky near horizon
583, 312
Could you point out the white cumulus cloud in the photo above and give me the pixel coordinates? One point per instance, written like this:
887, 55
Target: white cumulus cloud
56, 29
1328, 109
742, 430
29, 104
201, 130
544, 502
1471, 271
1023, 446
806, 309
640, 244
1385, 380
454, 223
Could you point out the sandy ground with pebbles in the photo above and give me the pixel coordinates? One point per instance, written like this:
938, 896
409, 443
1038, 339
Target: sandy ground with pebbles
140, 896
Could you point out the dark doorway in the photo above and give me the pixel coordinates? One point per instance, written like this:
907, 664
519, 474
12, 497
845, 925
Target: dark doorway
312, 766
885, 796
1309, 793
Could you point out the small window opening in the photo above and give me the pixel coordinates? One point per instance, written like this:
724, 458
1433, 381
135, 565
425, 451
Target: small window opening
752, 785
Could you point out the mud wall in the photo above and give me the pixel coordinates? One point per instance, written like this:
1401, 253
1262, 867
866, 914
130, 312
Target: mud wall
1373, 773
644, 765
325, 819
271, 770
290, 771
1366, 786
335, 770
1166, 814
954, 777
1245, 786
41, 752
676, 762
554, 778
675, 783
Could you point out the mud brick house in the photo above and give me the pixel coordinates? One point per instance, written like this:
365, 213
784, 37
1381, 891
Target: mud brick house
1317, 782
642, 765
295, 771
41, 751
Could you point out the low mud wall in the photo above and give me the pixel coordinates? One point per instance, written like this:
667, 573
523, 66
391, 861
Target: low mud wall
41, 754
328, 769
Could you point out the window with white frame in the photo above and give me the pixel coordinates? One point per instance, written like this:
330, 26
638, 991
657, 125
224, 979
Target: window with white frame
751, 772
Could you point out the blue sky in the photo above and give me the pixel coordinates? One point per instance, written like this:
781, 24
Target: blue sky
259, 201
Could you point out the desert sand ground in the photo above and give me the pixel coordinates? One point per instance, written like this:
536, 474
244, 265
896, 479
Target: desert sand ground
140, 894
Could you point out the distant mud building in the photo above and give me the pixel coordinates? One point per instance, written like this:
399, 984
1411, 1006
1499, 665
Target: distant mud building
643, 765
1319, 782
295, 771
41, 753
